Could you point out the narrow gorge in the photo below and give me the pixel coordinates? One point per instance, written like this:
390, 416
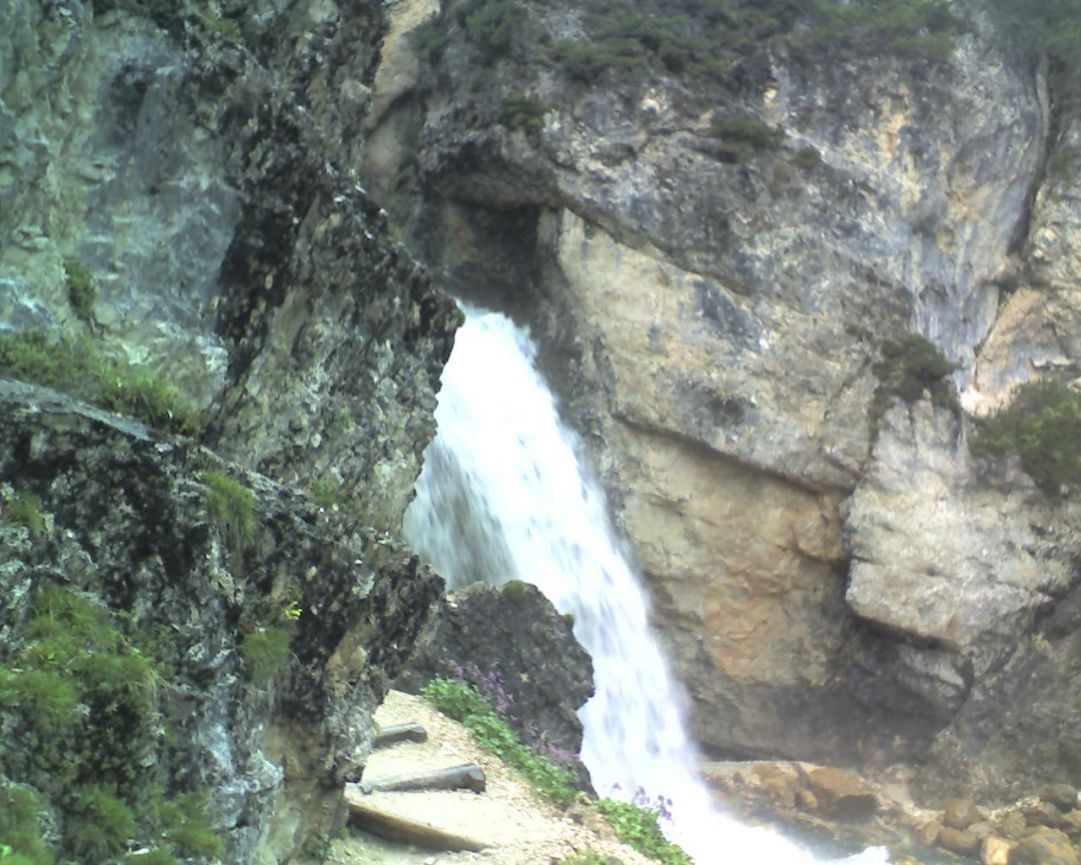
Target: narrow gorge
805, 279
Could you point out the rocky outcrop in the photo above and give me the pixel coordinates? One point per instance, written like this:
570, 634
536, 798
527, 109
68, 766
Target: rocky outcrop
183, 227
512, 644
713, 271
200, 166
125, 520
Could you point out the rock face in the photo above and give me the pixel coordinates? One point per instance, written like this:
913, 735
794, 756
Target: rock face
180, 198
126, 520
714, 272
513, 645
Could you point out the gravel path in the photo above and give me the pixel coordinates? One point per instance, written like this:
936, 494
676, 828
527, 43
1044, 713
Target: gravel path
521, 828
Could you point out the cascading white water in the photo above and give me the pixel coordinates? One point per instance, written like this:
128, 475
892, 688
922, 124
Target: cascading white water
503, 496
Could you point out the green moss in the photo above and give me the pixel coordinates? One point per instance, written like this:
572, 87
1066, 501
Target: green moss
524, 112
491, 25
99, 825
187, 827
78, 366
265, 653
82, 704
232, 506
157, 856
1042, 425
749, 132
25, 509
569, 619
910, 366
20, 830
637, 827
464, 703
807, 158
920, 29
82, 291
515, 590
328, 494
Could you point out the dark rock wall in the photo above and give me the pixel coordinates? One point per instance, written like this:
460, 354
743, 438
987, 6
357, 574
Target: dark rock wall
200, 162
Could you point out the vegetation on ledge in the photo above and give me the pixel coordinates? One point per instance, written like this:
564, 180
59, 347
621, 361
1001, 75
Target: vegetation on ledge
636, 823
1042, 425
87, 783
80, 367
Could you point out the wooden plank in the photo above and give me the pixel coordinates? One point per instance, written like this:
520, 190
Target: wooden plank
392, 734
394, 827
468, 776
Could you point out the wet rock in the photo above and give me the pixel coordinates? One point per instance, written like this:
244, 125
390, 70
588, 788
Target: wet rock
841, 794
959, 813
1012, 825
1042, 813
1062, 796
958, 841
1044, 847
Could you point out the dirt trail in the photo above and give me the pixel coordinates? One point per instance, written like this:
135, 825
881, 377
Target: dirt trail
521, 828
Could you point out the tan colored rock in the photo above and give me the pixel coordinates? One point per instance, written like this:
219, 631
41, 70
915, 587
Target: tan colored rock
959, 813
958, 841
928, 832
806, 801
1044, 847
841, 794
1062, 796
1012, 825
1042, 813
995, 851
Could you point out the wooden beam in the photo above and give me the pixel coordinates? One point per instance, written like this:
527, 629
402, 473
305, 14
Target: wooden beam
394, 827
395, 733
469, 776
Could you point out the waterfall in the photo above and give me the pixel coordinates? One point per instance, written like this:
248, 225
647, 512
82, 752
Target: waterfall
503, 496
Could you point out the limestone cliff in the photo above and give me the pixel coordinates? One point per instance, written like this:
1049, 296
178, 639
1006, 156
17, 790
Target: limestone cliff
718, 219
200, 612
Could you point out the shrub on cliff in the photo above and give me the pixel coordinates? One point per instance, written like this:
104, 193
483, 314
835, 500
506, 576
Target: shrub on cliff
1042, 425
908, 367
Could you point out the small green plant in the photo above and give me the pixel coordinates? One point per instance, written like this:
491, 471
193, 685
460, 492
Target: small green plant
515, 590
82, 291
908, 367
329, 494
524, 112
492, 25
747, 131
156, 856
638, 827
1042, 425
187, 827
79, 367
265, 653
464, 704
807, 158
21, 841
25, 509
232, 506
569, 619
99, 826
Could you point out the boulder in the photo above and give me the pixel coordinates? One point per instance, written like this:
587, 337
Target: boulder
958, 841
841, 794
995, 851
959, 813
1044, 847
515, 647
